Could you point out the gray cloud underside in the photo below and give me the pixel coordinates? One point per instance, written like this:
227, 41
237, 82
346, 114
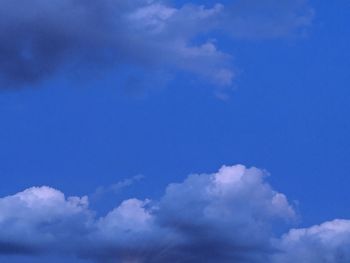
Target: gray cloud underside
232, 215
40, 38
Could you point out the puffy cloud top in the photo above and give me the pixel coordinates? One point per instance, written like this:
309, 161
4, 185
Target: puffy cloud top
328, 243
37, 218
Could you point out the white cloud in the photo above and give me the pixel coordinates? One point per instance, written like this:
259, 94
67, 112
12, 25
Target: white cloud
232, 212
328, 243
228, 216
131, 215
40, 217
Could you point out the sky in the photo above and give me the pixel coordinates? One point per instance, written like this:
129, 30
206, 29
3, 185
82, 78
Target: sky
174, 131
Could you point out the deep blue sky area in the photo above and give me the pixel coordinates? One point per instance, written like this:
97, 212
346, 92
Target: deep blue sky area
288, 113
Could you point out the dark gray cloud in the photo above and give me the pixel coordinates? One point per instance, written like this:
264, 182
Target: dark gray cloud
40, 38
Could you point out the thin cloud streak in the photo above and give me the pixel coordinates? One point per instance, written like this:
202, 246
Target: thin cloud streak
117, 187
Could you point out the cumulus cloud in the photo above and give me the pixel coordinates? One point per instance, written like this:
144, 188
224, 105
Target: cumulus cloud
328, 243
232, 215
220, 217
39, 219
41, 38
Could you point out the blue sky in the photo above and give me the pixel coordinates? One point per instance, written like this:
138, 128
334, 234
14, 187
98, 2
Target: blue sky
262, 84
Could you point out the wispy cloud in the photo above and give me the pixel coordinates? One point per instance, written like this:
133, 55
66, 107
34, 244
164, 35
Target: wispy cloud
228, 216
117, 187
266, 19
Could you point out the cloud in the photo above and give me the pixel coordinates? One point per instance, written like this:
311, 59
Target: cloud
232, 215
115, 188
252, 19
328, 243
38, 219
220, 217
42, 38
